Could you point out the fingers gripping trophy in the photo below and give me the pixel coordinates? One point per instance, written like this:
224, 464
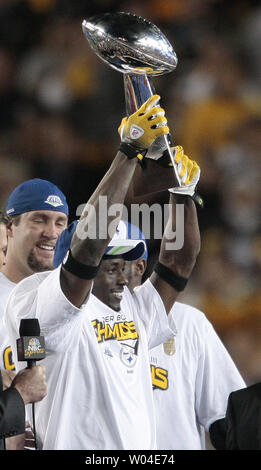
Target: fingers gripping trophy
137, 48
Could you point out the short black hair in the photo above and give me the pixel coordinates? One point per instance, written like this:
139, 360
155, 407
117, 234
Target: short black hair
15, 219
4, 219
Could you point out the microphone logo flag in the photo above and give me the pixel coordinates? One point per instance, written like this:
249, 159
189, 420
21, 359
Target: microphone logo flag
29, 347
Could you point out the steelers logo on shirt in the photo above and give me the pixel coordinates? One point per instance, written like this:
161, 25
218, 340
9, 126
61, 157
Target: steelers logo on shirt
128, 355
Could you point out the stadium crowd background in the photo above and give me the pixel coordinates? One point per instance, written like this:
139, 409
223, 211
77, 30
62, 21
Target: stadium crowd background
60, 107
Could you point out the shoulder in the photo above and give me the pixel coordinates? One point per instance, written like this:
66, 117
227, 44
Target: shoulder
25, 292
6, 288
30, 283
146, 291
146, 298
5, 285
186, 316
188, 311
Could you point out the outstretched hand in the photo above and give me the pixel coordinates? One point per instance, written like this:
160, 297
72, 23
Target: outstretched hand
145, 125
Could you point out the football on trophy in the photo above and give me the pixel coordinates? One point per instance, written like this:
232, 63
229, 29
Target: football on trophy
130, 43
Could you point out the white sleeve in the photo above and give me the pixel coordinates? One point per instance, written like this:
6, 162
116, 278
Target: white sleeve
159, 326
60, 321
217, 377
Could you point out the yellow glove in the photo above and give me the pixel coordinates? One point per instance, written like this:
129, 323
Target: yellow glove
188, 171
142, 127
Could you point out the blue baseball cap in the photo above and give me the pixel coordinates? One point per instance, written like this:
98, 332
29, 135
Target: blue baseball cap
127, 242
63, 244
34, 195
121, 244
134, 233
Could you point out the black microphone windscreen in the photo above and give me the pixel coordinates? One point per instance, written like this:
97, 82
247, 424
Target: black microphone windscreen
29, 327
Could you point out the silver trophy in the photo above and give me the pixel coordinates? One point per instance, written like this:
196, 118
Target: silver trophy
137, 48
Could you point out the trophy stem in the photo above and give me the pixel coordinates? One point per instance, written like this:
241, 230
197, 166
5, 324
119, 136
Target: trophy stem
139, 88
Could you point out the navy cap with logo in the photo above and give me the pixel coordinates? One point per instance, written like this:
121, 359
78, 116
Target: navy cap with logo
34, 195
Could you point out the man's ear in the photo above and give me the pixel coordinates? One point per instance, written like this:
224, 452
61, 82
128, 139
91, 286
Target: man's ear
9, 229
140, 267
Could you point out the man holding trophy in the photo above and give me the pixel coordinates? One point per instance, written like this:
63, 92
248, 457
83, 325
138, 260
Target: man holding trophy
138, 49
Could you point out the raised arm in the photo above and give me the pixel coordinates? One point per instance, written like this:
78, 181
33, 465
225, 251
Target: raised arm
98, 222
180, 245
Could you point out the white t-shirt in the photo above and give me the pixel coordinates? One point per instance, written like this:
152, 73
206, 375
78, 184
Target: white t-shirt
191, 387
97, 364
6, 361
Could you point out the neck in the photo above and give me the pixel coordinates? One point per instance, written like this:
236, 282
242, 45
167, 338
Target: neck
13, 272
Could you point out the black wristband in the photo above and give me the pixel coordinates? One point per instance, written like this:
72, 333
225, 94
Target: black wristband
130, 151
79, 269
178, 282
198, 200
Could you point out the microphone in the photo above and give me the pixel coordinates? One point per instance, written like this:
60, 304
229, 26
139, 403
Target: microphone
30, 345
30, 348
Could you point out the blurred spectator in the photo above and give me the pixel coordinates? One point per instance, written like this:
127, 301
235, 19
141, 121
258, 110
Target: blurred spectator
10, 98
251, 36
217, 103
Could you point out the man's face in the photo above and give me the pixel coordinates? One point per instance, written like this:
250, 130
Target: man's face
33, 239
134, 271
110, 281
3, 243
130, 274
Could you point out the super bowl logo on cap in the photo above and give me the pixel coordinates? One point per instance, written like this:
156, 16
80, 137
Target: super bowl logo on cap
54, 201
136, 132
10, 211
